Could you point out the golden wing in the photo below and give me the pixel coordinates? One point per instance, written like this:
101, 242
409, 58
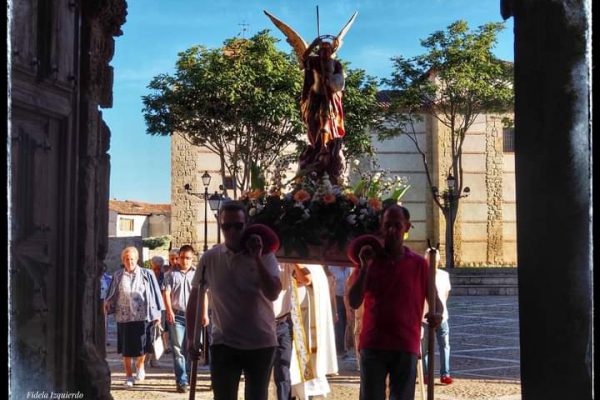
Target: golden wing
337, 43
297, 43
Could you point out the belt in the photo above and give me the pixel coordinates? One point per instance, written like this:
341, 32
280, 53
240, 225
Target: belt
283, 318
177, 312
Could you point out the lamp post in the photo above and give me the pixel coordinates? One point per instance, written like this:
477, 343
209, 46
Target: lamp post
205, 181
215, 205
449, 198
216, 201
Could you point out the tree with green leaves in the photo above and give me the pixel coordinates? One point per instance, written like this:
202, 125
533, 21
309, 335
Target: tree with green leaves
454, 81
241, 102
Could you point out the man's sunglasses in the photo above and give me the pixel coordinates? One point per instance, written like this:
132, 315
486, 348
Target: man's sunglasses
236, 225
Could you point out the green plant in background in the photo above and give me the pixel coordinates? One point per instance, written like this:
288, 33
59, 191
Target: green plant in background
157, 242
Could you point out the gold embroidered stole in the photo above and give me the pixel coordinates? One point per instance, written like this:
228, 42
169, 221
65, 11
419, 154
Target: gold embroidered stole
302, 347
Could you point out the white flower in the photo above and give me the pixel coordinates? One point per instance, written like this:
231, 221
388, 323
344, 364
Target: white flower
351, 219
364, 211
376, 177
361, 217
356, 162
362, 201
259, 207
299, 205
252, 212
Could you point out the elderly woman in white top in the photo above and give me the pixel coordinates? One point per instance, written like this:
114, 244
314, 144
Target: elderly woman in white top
134, 296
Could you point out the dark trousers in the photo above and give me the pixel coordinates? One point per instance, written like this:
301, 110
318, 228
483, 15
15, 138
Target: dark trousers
227, 365
340, 325
283, 358
376, 365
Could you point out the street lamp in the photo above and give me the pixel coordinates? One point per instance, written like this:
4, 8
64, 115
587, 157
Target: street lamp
216, 201
205, 181
449, 198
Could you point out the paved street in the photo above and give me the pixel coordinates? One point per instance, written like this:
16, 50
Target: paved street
484, 340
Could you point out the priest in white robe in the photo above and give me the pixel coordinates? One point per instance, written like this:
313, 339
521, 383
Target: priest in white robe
314, 354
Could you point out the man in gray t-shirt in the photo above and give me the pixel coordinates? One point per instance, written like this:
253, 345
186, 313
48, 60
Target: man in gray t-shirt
242, 283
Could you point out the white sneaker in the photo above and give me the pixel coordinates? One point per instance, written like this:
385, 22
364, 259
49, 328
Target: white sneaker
129, 382
140, 375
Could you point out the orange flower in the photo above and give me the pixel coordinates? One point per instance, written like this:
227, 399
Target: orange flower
301, 195
328, 198
375, 203
255, 194
352, 197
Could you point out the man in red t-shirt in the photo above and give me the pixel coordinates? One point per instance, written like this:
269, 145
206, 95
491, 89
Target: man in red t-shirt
392, 284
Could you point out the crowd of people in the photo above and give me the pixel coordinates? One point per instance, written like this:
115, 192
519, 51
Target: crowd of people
292, 323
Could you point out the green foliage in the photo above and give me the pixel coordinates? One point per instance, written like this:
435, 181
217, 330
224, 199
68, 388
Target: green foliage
361, 112
455, 80
156, 242
240, 101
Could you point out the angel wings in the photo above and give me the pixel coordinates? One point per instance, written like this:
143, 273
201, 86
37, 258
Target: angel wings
299, 45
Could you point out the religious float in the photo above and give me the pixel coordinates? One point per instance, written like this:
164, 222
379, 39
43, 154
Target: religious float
316, 214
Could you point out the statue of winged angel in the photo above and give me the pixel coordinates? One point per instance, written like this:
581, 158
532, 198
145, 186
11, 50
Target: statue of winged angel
321, 101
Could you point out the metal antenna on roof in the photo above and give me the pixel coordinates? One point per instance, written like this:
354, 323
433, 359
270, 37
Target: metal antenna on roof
244, 26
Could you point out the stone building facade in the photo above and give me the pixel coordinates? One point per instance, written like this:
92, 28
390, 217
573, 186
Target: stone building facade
485, 229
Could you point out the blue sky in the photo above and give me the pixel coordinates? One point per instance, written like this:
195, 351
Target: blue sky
156, 30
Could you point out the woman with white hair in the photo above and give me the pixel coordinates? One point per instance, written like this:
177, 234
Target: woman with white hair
134, 296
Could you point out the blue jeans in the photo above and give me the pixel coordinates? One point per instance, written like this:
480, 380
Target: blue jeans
283, 359
228, 363
340, 325
181, 362
376, 365
442, 335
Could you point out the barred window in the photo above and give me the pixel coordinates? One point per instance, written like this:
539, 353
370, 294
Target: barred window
508, 135
126, 224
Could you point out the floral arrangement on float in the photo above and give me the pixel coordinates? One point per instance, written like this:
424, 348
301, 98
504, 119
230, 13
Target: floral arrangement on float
316, 219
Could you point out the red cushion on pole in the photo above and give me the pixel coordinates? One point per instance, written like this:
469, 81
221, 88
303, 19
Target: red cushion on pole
269, 237
353, 248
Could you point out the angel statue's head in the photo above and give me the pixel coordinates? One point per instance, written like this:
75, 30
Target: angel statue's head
325, 49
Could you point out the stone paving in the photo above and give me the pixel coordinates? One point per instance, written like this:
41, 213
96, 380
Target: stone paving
484, 361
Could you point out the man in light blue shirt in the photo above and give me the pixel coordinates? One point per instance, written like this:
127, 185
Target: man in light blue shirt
177, 286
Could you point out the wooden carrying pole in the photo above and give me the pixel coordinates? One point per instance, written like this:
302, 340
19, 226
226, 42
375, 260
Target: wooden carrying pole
200, 337
431, 296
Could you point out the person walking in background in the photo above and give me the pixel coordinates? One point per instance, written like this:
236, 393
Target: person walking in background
341, 275
157, 265
442, 333
293, 280
105, 280
134, 296
173, 260
172, 265
242, 283
177, 287
392, 284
